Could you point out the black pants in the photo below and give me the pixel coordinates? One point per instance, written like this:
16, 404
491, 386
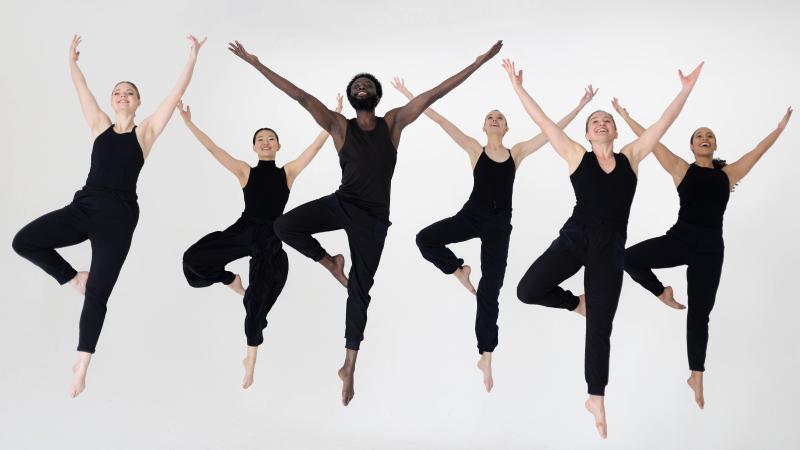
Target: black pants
365, 233
702, 251
600, 249
494, 230
204, 264
107, 219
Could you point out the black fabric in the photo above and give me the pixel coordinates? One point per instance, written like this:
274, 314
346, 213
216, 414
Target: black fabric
702, 251
704, 194
266, 191
493, 182
366, 234
367, 159
493, 227
204, 264
107, 219
117, 160
604, 196
601, 253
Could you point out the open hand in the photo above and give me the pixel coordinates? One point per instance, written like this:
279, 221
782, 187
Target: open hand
195, 45
785, 120
339, 99
400, 84
513, 75
495, 49
186, 114
618, 108
688, 81
238, 49
588, 95
73, 48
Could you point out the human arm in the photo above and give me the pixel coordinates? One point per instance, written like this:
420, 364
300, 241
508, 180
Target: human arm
738, 169
95, 117
293, 168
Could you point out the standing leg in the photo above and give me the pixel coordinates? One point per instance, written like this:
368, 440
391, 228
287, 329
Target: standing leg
432, 241
657, 253
702, 277
204, 262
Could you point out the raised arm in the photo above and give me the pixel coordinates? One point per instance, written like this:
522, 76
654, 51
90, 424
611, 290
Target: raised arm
239, 168
737, 170
330, 121
293, 168
153, 125
468, 143
97, 120
641, 147
673, 164
524, 149
569, 150
399, 118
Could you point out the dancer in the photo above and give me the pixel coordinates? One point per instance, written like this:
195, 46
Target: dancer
367, 146
486, 215
105, 210
594, 237
266, 190
696, 238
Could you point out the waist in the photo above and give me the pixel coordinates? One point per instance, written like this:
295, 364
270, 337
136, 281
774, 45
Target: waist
601, 223
123, 194
490, 208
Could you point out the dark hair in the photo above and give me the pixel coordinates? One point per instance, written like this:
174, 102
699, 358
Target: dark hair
600, 110
369, 76
265, 129
136, 89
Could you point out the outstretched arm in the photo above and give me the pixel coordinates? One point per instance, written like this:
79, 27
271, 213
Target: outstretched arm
673, 164
641, 147
95, 117
152, 126
526, 148
293, 168
330, 121
399, 118
468, 143
737, 170
571, 151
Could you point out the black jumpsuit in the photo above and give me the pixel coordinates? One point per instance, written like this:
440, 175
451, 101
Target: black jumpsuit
105, 212
594, 237
487, 216
696, 241
265, 196
360, 207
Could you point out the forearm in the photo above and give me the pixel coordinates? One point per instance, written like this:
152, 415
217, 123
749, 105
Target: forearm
635, 126
566, 120
201, 136
180, 87
281, 83
655, 132
549, 128
430, 96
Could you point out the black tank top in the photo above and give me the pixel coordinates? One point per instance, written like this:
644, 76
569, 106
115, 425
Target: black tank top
117, 160
493, 182
266, 191
604, 196
367, 159
704, 194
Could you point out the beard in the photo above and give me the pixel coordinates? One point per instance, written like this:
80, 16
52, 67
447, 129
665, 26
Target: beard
363, 104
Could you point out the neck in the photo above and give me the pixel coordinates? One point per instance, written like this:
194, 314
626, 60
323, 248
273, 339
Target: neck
603, 149
266, 158
495, 142
365, 119
123, 122
704, 161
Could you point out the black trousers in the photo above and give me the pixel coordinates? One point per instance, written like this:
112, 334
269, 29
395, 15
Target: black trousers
107, 219
702, 251
493, 228
365, 233
599, 247
204, 264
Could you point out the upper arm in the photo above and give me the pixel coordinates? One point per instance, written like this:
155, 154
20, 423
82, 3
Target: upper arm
466, 142
523, 149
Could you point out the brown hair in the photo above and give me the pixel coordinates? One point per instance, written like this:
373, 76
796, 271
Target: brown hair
600, 110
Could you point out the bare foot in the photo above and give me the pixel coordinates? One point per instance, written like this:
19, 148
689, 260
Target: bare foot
249, 362
335, 265
667, 298
79, 374
695, 382
236, 285
595, 404
347, 375
485, 365
581, 308
78, 282
462, 273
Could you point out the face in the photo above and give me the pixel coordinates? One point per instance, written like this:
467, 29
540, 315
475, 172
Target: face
266, 145
704, 142
363, 94
495, 123
601, 127
124, 98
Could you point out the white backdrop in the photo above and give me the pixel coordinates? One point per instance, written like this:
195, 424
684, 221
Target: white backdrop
167, 373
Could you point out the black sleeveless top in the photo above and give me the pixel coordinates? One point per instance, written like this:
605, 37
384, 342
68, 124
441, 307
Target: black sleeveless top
367, 159
117, 160
493, 182
266, 191
704, 194
602, 196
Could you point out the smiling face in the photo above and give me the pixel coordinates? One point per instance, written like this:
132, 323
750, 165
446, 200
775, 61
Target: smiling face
704, 142
600, 127
364, 92
265, 143
495, 123
125, 98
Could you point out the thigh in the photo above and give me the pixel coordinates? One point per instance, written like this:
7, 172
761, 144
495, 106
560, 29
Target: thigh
457, 228
550, 269
60, 228
222, 246
316, 216
657, 253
